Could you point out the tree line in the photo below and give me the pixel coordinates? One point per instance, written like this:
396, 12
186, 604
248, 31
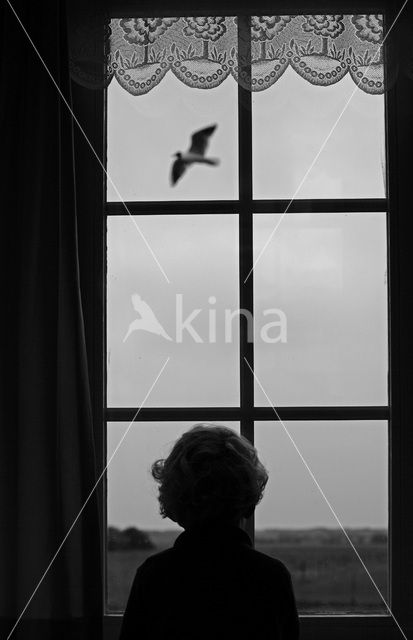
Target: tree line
128, 539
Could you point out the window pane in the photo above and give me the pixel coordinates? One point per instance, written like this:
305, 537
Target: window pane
294, 523
146, 315
293, 119
132, 501
325, 274
144, 131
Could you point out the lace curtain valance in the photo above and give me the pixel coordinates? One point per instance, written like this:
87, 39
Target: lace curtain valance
203, 51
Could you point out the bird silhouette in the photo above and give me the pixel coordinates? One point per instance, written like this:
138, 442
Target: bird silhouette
195, 154
147, 321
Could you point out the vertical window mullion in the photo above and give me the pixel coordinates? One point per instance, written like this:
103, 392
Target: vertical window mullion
245, 211
245, 232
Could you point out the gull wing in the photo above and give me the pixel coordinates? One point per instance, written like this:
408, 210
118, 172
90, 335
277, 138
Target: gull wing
200, 139
178, 169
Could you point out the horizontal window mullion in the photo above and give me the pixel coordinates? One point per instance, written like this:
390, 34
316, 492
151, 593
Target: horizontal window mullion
322, 413
165, 414
325, 627
199, 414
145, 8
322, 627
172, 208
347, 205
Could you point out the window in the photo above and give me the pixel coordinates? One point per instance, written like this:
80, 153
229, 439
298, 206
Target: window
336, 223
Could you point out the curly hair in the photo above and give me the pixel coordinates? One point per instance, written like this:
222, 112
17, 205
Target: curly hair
211, 474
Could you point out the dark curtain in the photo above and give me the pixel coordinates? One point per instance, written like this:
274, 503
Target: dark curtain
47, 451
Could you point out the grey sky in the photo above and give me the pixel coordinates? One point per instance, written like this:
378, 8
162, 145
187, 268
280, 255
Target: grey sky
290, 122
327, 274
349, 460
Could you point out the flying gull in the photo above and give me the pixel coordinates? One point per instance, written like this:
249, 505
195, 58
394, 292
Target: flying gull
195, 153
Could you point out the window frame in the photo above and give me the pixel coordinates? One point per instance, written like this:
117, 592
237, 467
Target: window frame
399, 123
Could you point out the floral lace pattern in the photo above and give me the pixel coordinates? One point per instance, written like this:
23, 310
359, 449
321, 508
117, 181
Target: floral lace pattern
203, 51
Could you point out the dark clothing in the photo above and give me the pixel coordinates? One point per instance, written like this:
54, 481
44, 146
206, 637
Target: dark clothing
211, 585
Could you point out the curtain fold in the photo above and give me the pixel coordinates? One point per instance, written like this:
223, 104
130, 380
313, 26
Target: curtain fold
47, 453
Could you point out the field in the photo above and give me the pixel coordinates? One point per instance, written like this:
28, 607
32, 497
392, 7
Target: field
327, 575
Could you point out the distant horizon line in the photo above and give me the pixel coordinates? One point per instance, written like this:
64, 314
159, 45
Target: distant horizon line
266, 528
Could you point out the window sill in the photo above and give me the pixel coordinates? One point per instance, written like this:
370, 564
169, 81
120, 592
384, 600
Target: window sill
316, 627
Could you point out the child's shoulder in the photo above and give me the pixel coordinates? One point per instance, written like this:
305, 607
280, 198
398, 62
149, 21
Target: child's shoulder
268, 563
157, 561
159, 558
254, 562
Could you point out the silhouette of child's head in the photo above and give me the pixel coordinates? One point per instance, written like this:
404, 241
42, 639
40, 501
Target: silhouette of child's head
211, 475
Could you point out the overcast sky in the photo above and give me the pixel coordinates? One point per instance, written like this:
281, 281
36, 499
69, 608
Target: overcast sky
326, 273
